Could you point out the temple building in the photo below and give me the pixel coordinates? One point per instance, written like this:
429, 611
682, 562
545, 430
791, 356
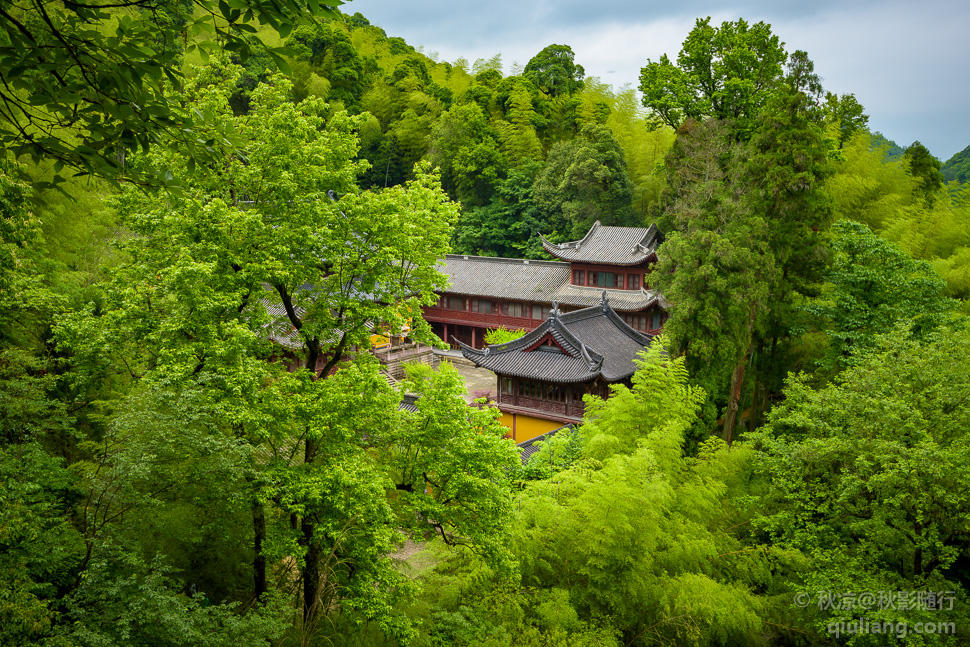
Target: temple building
543, 375
486, 293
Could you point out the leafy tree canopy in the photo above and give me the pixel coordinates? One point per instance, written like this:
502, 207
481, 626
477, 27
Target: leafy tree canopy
554, 71
88, 82
724, 72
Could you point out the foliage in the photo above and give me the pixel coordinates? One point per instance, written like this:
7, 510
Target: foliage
637, 533
88, 83
875, 288
585, 180
554, 71
450, 462
957, 167
925, 168
869, 476
724, 72
502, 335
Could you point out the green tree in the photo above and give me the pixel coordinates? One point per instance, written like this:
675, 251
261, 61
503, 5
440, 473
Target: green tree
874, 288
554, 71
925, 168
450, 464
725, 72
280, 245
636, 532
869, 477
716, 267
332, 56
87, 83
845, 115
585, 180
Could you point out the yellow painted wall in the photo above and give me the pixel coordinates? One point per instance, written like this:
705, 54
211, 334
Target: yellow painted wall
527, 427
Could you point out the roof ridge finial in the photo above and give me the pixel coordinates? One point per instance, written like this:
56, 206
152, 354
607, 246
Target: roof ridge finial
604, 301
555, 313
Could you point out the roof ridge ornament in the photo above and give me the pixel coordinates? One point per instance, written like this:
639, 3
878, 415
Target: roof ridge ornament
555, 313
605, 301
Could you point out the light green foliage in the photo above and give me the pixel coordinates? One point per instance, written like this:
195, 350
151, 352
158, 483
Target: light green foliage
585, 180
450, 465
655, 409
519, 139
85, 84
644, 149
869, 476
188, 313
874, 287
502, 335
637, 532
725, 72
868, 187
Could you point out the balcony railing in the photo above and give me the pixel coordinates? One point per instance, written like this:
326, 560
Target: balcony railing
574, 409
493, 320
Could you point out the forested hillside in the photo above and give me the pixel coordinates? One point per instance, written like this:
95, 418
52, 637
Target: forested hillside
198, 199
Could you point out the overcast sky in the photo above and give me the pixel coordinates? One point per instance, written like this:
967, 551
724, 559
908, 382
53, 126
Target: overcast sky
906, 62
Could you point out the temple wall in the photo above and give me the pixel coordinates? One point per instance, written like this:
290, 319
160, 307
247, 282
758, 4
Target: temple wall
523, 427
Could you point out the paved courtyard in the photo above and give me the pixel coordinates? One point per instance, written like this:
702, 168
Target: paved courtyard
478, 381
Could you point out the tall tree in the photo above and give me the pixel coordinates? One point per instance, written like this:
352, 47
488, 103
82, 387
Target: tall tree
585, 180
725, 72
716, 267
280, 245
554, 71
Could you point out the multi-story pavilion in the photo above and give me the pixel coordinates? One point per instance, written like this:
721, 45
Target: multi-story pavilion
543, 375
517, 294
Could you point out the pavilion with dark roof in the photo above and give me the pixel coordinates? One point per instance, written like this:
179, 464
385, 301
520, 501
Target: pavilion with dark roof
543, 375
486, 293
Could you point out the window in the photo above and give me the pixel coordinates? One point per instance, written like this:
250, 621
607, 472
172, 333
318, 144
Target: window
483, 306
537, 311
633, 281
506, 385
454, 303
606, 279
636, 321
513, 309
656, 320
579, 277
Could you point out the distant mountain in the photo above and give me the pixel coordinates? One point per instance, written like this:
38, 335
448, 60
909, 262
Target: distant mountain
893, 150
958, 167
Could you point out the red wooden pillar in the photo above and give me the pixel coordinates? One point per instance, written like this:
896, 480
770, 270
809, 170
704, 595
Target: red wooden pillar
473, 337
446, 340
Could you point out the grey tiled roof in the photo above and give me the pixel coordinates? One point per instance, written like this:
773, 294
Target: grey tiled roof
595, 342
505, 278
528, 280
612, 245
529, 447
578, 295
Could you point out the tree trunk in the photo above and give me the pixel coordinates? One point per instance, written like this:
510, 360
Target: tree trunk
311, 573
311, 562
755, 410
259, 560
730, 417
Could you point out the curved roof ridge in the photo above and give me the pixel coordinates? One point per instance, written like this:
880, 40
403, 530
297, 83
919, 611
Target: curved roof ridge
572, 244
